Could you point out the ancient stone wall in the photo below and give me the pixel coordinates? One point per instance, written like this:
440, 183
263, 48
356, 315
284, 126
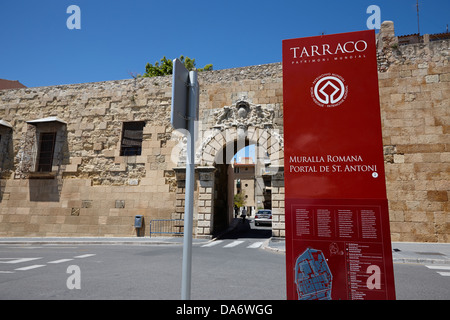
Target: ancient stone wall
93, 190
414, 84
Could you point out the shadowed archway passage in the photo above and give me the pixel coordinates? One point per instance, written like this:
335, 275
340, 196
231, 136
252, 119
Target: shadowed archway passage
234, 128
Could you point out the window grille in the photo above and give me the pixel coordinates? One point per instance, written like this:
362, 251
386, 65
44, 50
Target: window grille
132, 135
46, 151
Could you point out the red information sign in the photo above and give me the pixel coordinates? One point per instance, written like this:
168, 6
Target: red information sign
337, 221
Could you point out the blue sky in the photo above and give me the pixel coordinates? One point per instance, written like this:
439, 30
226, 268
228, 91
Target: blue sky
248, 151
119, 37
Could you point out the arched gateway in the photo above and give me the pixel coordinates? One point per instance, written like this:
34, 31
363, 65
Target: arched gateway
222, 133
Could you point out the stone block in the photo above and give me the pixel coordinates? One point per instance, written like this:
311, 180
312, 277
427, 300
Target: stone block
440, 196
98, 146
445, 77
109, 153
76, 160
434, 78
120, 204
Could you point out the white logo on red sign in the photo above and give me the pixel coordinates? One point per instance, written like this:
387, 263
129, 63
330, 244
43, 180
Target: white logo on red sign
329, 90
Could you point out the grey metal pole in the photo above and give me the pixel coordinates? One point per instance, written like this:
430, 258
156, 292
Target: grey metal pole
189, 194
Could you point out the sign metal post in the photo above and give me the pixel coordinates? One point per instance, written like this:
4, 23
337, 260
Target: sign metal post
185, 100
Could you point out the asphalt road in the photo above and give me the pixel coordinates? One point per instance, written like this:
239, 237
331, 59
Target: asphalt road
232, 268
240, 271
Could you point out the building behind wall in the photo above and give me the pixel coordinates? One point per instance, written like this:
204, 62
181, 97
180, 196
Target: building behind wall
10, 84
84, 159
244, 180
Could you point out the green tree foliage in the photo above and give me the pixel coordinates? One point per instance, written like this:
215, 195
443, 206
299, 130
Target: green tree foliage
165, 67
239, 199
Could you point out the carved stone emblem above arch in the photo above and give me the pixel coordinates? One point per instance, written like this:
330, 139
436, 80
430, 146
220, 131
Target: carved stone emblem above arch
244, 114
231, 128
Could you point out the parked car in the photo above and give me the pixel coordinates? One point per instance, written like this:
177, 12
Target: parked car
263, 216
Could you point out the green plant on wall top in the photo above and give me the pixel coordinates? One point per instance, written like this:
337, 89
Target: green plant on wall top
165, 67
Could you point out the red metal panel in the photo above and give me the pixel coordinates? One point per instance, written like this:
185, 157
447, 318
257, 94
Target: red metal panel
334, 167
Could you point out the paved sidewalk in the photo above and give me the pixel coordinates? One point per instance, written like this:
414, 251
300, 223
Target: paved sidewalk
420, 252
402, 252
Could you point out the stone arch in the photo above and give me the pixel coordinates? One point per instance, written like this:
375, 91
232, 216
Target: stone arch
226, 131
242, 122
222, 145
218, 152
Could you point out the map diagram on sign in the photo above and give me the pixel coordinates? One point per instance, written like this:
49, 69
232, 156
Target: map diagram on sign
312, 276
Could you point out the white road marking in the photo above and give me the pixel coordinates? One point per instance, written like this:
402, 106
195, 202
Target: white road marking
85, 256
438, 267
46, 246
35, 266
445, 274
442, 273
233, 244
17, 260
60, 261
30, 267
212, 244
20, 247
255, 245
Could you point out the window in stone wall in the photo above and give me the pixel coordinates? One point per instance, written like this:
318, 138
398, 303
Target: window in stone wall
132, 133
6, 152
46, 151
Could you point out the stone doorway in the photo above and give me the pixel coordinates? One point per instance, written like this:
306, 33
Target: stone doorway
235, 127
224, 186
221, 199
